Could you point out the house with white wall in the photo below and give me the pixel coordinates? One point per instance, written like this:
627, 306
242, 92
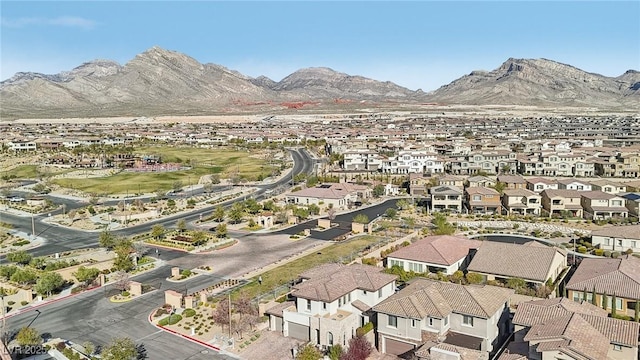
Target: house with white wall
426, 310
331, 302
442, 253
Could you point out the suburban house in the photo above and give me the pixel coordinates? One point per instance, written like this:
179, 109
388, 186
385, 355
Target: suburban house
600, 205
608, 186
481, 200
446, 198
340, 195
573, 184
562, 329
331, 302
540, 184
442, 253
426, 312
497, 260
420, 184
362, 159
522, 202
617, 238
632, 203
618, 277
561, 202
451, 180
480, 181
513, 181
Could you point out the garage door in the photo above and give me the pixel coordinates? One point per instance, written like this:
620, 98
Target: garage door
395, 347
278, 324
299, 332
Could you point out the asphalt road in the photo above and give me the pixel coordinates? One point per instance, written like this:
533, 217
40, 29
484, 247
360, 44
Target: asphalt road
344, 222
61, 239
91, 317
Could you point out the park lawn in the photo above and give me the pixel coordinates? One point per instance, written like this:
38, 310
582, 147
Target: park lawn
22, 172
290, 271
229, 160
205, 161
137, 182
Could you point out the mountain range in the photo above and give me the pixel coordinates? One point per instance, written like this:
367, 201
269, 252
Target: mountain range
160, 81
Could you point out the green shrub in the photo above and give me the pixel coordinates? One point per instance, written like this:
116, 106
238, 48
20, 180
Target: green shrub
10, 303
24, 302
607, 253
126, 293
621, 317
173, 318
364, 329
370, 261
189, 313
615, 254
582, 249
598, 252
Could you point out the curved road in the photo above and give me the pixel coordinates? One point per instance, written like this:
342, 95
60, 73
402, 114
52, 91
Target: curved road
60, 239
90, 316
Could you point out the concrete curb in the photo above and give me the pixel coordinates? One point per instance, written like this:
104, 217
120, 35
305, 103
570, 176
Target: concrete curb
44, 303
187, 337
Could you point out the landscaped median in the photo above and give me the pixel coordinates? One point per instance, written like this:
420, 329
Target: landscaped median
165, 320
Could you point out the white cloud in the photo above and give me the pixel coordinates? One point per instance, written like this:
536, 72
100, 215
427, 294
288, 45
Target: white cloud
64, 21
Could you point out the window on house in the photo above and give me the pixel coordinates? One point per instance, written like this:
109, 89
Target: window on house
619, 242
446, 320
308, 305
364, 292
633, 244
414, 323
467, 320
477, 197
324, 306
430, 321
392, 321
379, 293
329, 338
617, 347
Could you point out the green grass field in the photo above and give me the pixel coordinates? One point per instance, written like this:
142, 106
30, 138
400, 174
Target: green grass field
22, 172
205, 161
290, 271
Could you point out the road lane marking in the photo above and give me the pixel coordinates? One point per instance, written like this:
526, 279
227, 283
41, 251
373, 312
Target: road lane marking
142, 338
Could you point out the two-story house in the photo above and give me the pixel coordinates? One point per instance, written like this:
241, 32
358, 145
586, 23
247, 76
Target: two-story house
434, 254
632, 203
513, 181
481, 200
362, 159
521, 202
600, 205
502, 261
419, 184
540, 184
331, 302
618, 277
573, 184
480, 181
451, 180
473, 316
562, 202
608, 186
558, 329
446, 198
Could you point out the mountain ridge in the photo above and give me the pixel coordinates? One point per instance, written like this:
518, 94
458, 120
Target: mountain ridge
160, 81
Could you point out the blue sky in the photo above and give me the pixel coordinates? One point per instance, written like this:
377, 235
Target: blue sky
418, 44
